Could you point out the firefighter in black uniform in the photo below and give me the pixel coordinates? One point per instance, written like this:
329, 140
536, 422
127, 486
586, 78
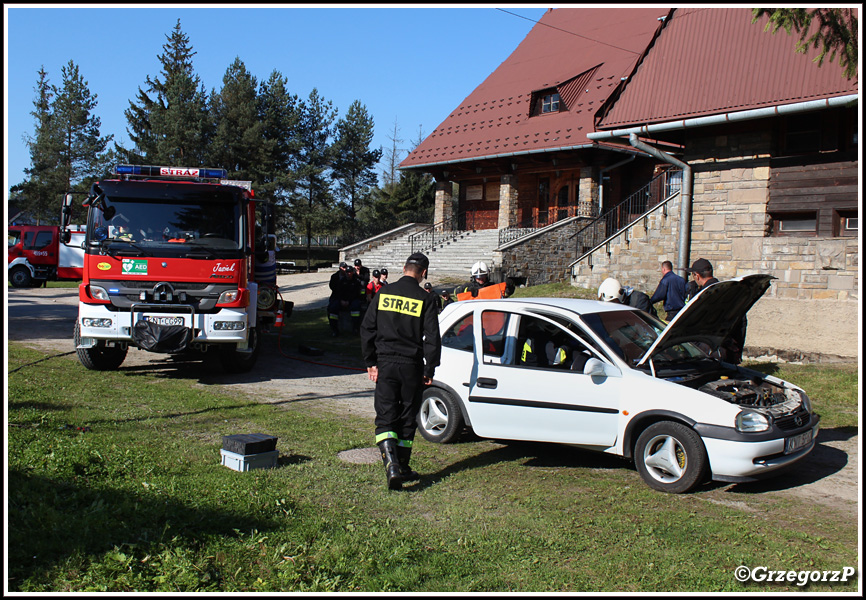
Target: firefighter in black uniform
401, 345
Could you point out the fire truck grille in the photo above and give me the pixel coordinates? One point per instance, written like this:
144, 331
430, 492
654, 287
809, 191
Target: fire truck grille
177, 285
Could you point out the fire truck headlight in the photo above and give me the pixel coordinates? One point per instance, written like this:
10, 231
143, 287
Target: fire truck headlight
228, 325
229, 296
99, 293
96, 322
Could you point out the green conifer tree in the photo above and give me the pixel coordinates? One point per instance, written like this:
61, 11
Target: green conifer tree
312, 200
354, 162
239, 132
168, 122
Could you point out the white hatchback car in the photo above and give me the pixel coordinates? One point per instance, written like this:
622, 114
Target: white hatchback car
608, 377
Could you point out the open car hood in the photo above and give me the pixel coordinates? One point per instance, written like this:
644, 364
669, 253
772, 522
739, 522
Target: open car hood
711, 315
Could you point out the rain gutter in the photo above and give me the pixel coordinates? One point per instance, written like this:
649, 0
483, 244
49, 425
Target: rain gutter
730, 117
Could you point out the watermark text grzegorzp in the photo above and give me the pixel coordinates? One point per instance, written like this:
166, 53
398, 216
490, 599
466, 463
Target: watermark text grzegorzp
802, 578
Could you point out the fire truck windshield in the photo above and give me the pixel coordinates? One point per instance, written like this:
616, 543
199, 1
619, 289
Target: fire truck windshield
169, 226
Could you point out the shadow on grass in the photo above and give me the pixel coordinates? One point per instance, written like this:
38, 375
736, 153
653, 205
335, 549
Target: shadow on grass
533, 454
276, 362
50, 521
225, 407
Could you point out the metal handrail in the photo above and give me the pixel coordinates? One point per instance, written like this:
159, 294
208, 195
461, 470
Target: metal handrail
544, 218
436, 233
627, 213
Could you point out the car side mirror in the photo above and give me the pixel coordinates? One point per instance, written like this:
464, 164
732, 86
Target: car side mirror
597, 368
65, 236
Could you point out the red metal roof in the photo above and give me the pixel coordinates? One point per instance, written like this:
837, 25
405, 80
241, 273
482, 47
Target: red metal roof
715, 60
592, 48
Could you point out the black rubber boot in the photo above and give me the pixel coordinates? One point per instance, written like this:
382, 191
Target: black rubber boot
392, 463
404, 453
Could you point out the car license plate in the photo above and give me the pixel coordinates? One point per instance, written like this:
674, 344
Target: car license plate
798, 442
165, 320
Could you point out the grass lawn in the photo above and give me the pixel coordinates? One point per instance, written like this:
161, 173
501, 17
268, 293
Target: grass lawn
114, 484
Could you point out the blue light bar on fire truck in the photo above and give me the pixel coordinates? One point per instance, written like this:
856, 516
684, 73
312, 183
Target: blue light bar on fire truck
190, 172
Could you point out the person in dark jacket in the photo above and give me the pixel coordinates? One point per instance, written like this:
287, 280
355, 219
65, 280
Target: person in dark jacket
733, 345
671, 289
345, 295
437, 300
363, 275
401, 345
610, 290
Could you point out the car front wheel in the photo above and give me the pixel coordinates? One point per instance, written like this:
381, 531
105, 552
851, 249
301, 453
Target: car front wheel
439, 420
671, 457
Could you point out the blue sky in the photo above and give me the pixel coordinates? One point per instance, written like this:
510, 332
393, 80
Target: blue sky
411, 64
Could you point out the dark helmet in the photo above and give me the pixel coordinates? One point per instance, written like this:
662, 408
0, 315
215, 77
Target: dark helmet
357, 262
384, 271
376, 273
344, 265
428, 286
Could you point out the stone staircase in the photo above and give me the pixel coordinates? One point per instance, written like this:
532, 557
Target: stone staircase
452, 257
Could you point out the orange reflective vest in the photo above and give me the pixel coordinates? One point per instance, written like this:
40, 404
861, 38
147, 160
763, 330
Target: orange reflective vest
490, 292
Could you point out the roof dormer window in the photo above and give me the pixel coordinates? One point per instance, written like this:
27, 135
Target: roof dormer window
546, 101
550, 103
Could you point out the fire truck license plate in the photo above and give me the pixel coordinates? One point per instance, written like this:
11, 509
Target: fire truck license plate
792, 444
165, 320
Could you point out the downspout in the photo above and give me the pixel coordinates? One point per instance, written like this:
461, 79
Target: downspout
685, 199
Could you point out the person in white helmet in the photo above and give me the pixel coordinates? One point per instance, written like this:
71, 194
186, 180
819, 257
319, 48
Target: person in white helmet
610, 290
480, 278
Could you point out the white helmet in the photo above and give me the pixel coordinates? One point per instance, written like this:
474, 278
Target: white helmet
480, 268
610, 290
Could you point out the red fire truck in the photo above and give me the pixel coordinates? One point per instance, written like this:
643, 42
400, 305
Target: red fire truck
174, 262
36, 254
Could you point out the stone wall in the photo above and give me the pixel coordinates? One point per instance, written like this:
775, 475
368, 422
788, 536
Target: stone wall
542, 257
730, 227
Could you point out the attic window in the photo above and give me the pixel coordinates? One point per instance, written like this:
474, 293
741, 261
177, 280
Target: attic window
545, 102
550, 103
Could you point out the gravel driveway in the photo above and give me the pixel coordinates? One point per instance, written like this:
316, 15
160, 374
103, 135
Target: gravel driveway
44, 318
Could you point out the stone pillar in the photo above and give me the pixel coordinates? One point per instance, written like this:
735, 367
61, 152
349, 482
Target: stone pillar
442, 205
507, 201
587, 193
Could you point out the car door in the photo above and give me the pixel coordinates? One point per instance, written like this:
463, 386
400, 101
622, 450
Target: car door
512, 396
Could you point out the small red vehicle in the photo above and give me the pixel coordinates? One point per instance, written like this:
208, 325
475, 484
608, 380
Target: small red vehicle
36, 254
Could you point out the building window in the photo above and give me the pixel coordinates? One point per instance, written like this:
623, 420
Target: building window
847, 223
550, 103
795, 224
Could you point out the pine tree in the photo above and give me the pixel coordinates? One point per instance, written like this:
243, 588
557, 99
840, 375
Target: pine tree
312, 201
354, 162
168, 123
392, 157
82, 148
237, 144
39, 194
280, 116
408, 198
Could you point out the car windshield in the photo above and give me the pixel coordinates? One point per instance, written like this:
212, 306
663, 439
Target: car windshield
165, 227
630, 333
